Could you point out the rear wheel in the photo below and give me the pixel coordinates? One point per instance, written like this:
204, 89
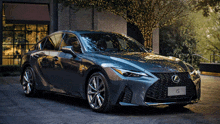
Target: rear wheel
98, 93
28, 82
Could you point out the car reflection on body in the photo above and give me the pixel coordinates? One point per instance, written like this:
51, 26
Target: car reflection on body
107, 69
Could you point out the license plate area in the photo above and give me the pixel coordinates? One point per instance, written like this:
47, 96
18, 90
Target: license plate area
177, 91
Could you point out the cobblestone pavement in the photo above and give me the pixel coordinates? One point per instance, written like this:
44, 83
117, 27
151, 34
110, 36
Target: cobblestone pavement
49, 108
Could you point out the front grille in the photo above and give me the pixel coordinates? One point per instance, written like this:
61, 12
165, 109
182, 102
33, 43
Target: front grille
158, 92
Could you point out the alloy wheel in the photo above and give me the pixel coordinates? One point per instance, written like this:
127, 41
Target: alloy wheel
96, 92
27, 83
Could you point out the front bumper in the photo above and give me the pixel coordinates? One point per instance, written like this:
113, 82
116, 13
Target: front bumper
157, 104
154, 92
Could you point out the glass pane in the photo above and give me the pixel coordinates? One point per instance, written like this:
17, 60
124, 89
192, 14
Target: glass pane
8, 27
41, 35
7, 37
31, 37
42, 28
27, 48
7, 50
31, 47
19, 49
20, 37
56, 40
30, 27
7, 57
17, 61
7, 61
19, 27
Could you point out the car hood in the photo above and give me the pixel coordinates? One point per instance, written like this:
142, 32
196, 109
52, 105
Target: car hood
140, 61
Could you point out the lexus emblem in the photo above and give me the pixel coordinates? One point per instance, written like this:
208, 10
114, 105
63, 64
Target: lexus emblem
175, 79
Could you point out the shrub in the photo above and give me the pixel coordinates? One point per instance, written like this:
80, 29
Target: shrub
10, 70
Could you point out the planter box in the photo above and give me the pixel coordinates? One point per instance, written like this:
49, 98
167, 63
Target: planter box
210, 67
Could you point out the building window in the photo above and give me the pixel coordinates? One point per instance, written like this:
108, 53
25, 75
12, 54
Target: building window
19, 38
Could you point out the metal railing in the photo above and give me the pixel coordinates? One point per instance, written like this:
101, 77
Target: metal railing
214, 58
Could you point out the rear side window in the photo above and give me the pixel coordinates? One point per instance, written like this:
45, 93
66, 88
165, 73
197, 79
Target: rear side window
48, 45
51, 42
56, 40
40, 45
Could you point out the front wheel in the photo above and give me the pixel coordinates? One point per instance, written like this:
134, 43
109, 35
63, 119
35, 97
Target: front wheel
28, 82
98, 93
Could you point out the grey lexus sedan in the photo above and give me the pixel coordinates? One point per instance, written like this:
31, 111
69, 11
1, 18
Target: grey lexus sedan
107, 69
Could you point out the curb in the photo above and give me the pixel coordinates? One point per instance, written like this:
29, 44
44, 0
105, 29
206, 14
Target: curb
210, 73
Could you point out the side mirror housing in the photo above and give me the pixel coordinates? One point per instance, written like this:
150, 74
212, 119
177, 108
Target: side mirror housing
68, 49
150, 50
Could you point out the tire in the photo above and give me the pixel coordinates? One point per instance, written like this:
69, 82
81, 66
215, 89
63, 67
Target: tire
98, 93
28, 82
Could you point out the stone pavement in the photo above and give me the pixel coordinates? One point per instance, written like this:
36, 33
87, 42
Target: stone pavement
16, 108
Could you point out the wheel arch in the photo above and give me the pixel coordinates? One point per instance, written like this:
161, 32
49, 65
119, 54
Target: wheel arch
91, 71
24, 66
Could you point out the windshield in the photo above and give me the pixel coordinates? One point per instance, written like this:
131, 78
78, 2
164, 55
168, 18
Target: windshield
107, 42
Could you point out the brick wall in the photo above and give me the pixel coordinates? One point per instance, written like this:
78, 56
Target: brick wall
83, 19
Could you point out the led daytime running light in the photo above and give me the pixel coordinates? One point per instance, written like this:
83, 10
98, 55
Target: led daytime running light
128, 73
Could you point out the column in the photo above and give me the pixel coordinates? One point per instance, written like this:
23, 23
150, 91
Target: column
1, 28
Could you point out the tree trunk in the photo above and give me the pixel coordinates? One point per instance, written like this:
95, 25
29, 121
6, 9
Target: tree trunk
148, 37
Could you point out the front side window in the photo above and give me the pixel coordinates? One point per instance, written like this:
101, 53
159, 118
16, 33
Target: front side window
71, 40
107, 42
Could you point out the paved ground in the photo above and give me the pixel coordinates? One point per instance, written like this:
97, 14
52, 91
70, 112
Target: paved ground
15, 108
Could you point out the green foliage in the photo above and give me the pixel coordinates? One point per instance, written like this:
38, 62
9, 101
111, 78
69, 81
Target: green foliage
179, 40
207, 6
192, 35
207, 33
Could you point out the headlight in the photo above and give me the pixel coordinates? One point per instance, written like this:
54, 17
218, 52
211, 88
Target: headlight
128, 73
194, 72
191, 69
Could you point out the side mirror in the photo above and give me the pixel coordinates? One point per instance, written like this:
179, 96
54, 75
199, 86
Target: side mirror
150, 50
68, 49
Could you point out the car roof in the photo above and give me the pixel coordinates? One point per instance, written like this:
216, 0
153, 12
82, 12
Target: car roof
85, 31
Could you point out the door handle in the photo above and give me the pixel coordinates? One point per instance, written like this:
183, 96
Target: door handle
55, 58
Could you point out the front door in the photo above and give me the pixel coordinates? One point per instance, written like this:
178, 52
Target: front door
66, 66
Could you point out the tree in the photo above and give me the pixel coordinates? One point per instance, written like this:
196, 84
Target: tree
179, 40
195, 34
207, 6
145, 14
207, 33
